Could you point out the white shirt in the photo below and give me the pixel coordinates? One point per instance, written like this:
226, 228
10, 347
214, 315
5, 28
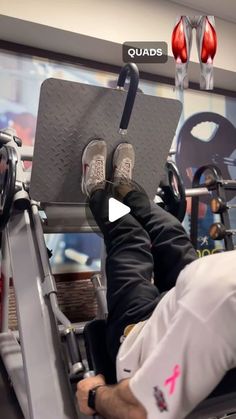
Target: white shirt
168, 357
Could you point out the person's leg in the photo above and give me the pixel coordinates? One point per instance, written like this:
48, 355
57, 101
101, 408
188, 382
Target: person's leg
171, 247
194, 336
130, 295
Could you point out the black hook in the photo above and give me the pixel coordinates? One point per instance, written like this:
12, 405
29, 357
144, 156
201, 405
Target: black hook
129, 70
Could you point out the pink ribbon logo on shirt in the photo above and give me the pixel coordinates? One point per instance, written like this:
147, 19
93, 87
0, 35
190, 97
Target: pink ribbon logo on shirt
172, 379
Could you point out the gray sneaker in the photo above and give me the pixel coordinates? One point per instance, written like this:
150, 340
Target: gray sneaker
123, 163
94, 166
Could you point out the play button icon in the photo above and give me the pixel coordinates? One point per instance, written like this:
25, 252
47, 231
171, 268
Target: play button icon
116, 209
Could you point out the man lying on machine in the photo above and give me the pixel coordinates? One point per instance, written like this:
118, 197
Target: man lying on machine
178, 331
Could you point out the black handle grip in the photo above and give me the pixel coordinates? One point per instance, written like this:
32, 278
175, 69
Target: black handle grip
129, 70
73, 348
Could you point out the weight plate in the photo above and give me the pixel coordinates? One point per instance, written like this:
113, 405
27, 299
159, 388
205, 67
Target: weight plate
219, 149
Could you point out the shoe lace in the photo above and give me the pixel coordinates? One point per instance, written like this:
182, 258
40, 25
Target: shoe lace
97, 168
125, 169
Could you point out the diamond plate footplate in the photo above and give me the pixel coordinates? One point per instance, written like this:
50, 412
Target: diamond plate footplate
70, 114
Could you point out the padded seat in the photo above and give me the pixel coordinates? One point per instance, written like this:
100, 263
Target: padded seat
221, 401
